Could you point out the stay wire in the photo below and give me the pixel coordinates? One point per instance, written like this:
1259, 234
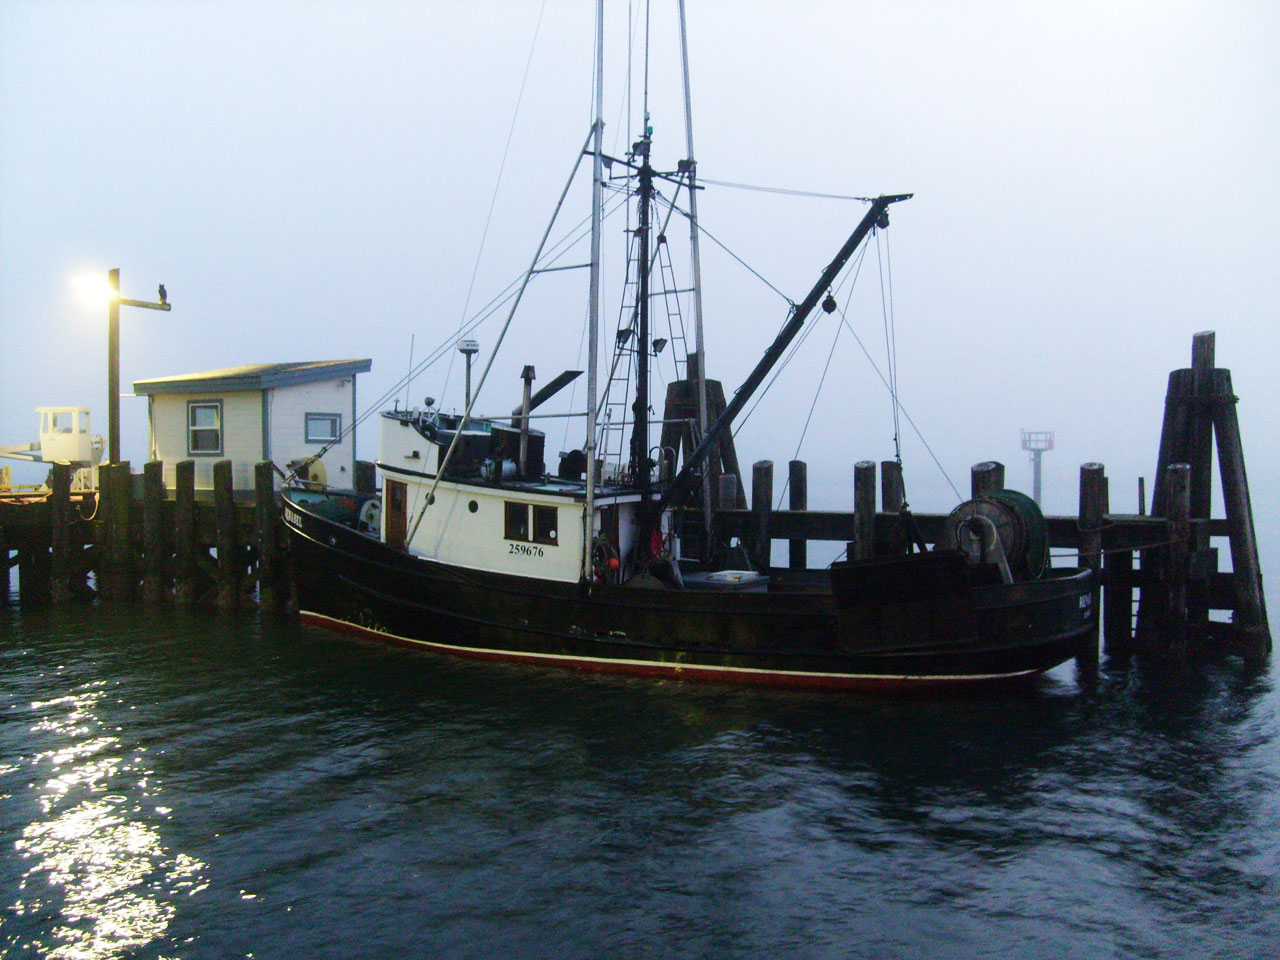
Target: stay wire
506, 152
500, 299
890, 343
853, 274
812, 406
750, 269
783, 190
906, 413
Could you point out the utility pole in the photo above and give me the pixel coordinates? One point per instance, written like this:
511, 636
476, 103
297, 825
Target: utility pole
113, 356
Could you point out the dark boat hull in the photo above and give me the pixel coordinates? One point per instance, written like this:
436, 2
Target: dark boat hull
823, 639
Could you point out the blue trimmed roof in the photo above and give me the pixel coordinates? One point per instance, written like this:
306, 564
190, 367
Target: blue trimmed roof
253, 376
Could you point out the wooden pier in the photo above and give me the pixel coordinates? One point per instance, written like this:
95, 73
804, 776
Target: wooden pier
1166, 560
1160, 589
139, 541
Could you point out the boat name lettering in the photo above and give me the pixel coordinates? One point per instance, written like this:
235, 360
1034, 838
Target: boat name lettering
524, 550
292, 517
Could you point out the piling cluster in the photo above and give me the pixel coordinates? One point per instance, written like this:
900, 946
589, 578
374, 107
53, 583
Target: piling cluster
134, 541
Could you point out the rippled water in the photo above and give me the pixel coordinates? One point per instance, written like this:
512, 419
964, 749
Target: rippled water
184, 786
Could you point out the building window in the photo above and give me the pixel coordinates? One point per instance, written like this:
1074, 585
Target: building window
517, 521
544, 525
204, 427
324, 427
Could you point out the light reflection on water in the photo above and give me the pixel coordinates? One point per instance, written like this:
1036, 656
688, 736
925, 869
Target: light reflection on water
95, 860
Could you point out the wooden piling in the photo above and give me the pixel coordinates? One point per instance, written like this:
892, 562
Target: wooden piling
798, 499
33, 569
761, 510
184, 533
117, 493
986, 477
1173, 634
892, 499
266, 536
153, 538
1201, 425
1250, 602
1200, 457
1174, 445
1117, 601
727, 492
1093, 508
226, 540
60, 533
864, 510
892, 491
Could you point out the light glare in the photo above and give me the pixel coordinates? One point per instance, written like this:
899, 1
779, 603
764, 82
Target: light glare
93, 289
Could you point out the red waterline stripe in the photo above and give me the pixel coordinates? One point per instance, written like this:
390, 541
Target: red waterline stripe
682, 671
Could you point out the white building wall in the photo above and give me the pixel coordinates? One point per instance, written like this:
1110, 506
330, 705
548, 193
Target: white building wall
287, 410
241, 435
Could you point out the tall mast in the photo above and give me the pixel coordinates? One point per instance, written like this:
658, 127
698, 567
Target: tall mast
593, 322
640, 431
699, 346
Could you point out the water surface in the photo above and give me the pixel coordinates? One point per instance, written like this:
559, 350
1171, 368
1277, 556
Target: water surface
188, 786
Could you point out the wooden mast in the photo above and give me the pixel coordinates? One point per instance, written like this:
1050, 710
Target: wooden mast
640, 469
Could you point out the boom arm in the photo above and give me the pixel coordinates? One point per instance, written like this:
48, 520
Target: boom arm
685, 481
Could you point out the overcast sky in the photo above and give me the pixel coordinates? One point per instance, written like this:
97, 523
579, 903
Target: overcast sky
1094, 183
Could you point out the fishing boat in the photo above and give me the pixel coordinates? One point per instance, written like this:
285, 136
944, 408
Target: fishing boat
611, 559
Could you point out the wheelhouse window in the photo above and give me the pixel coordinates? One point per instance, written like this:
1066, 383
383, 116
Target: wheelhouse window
204, 427
544, 529
544, 525
323, 427
517, 521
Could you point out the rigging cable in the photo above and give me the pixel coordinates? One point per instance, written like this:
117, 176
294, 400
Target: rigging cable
785, 191
890, 340
500, 299
816, 393
804, 335
905, 412
484, 374
750, 269
506, 152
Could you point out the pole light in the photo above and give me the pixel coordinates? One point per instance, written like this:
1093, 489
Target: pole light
468, 348
113, 355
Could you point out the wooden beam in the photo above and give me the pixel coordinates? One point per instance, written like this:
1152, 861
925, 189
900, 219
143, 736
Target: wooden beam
864, 510
226, 540
184, 533
60, 540
266, 536
761, 508
154, 587
798, 500
1250, 601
